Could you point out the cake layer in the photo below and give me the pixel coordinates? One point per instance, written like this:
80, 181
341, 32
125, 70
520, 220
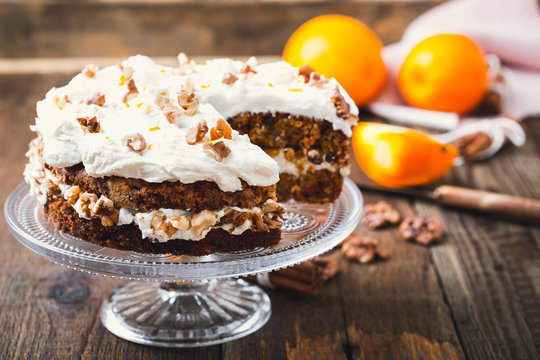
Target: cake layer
276, 131
161, 224
142, 195
313, 158
321, 186
128, 237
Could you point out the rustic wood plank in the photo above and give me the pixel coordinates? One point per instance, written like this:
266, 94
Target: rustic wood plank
302, 326
395, 308
489, 268
159, 28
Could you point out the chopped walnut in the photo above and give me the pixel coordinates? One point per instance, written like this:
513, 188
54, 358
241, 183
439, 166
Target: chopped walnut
90, 124
61, 101
272, 223
185, 65
364, 249
51, 187
188, 101
421, 229
105, 210
305, 71
156, 220
240, 218
90, 70
221, 130
98, 99
197, 133
72, 194
87, 201
183, 59
168, 228
203, 221
228, 216
135, 142
126, 71
219, 150
328, 266
180, 222
316, 80
171, 113
132, 91
342, 107
310, 76
229, 78
246, 69
258, 223
273, 207
379, 214
162, 99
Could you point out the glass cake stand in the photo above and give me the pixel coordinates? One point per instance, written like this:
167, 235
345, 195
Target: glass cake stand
193, 301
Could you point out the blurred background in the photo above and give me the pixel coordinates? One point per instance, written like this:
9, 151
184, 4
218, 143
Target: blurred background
119, 28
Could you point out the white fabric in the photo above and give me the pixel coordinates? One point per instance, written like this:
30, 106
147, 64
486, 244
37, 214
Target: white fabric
508, 29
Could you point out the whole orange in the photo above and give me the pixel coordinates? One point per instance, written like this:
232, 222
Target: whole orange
341, 47
445, 72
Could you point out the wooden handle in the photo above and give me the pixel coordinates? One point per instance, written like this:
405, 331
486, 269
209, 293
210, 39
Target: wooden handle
511, 206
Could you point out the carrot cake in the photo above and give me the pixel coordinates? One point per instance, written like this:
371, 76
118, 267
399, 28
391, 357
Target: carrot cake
298, 117
142, 157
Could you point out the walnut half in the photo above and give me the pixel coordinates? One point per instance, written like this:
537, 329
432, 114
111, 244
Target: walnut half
135, 142
342, 107
219, 150
197, 133
379, 214
105, 210
188, 101
90, 124
221, 130
363, 249
421, 229
203, 221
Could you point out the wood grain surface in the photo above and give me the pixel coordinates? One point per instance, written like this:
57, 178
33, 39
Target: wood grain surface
474, 296
45, 28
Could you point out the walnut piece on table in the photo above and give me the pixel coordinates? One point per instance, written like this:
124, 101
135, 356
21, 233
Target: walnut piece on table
379, 214
421, 229
364, 249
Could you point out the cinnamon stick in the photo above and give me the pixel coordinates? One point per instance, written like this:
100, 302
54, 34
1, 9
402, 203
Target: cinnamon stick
306, 277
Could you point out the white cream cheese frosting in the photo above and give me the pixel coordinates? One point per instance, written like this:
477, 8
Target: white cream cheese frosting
167, 156
272, 87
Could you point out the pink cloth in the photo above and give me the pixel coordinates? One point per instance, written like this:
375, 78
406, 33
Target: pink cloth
509, 29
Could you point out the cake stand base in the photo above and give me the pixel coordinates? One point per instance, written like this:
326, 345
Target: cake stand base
185, 314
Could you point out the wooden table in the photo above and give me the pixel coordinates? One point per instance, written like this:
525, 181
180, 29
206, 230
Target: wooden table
476, 295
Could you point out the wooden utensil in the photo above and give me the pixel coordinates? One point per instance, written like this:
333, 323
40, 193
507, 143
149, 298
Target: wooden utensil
514, 207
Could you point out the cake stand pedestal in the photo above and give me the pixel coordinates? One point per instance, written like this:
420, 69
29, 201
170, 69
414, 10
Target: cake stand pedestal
193, 301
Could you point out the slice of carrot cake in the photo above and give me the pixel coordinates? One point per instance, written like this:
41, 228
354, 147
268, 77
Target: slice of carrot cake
129, 157
301, 119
